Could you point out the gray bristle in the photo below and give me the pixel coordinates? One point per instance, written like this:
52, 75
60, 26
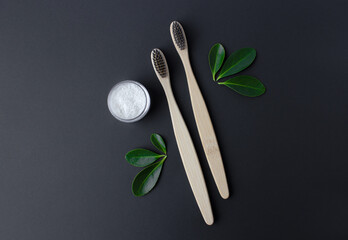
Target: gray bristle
159, 63
179, 35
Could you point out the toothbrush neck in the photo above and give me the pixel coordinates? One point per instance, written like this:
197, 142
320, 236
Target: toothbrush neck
187, 65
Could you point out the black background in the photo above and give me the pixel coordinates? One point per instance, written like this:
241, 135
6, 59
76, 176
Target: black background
62, 168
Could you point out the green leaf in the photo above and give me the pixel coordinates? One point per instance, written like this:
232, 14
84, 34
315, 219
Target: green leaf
216, 58
158, 142
147, 178
246, 85
142, 157
238, 61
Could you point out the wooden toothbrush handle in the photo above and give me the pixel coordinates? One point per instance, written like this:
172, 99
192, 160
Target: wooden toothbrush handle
206, 131
189, 158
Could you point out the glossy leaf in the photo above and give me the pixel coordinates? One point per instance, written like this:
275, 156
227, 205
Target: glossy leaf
142, 157
216, 58
147, 178
158, 142
238, 61
246, 85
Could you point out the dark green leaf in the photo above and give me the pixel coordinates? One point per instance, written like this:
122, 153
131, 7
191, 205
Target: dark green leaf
142, 157
216, 58
245, 85
238, 61
158, 142
147, 178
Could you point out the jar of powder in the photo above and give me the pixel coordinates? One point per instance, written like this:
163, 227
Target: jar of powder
128, 101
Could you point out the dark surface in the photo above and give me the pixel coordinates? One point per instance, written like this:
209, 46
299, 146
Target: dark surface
62, 168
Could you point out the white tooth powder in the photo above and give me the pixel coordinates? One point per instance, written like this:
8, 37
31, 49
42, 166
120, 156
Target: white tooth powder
128, 101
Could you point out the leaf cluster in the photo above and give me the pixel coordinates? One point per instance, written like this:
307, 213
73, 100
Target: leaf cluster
238, 61
146, 179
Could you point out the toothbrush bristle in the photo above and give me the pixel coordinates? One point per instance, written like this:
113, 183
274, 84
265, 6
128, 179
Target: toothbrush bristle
179, 35
159, 62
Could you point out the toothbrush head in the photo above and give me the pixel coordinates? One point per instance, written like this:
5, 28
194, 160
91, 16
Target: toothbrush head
178, 35
159, 63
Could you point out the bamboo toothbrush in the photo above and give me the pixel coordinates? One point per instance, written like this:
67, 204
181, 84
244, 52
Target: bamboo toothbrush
204, 124
183, 139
